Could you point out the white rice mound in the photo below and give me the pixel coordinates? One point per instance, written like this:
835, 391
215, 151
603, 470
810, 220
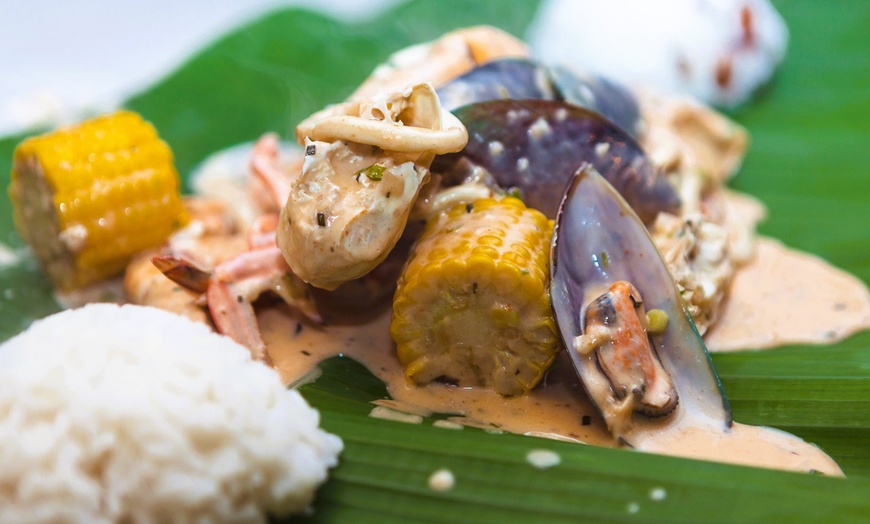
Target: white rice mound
678, 46
132, 414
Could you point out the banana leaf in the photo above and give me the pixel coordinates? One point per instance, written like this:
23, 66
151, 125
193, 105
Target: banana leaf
808, 163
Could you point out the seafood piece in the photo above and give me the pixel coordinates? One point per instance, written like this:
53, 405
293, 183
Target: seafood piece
699, 255
144, 284
410, 120
208, 262
682, 135
210, 236
596, 243
228, 176
340, 227
598, 93
365, 164
506, 78
519, 78
615, 339
472, 307
536, 146
656, 388
232, 286
704, 245
438, 61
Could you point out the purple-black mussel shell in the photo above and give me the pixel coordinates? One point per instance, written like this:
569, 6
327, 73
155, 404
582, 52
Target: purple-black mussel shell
594, 92
536, 146
499, 79
520, 79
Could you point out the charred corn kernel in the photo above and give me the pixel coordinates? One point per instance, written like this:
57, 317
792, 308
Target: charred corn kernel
480, 317
88, 197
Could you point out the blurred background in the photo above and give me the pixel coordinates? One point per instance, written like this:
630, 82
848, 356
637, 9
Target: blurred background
62, 59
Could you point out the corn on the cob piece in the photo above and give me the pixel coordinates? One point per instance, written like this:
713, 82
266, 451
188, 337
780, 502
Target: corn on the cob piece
88, 197
472, 306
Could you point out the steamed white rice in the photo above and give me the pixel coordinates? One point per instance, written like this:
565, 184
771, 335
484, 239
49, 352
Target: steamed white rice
718, 51
132, 414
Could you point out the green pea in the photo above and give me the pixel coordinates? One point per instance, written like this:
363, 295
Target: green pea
657, 321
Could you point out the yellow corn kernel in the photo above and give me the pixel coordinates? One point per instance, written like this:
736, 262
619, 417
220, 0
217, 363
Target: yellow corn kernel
88, 197
481, 317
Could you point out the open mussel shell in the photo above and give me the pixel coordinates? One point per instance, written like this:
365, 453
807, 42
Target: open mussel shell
519, 78
498, 79
536, 146
607, 97
597, 241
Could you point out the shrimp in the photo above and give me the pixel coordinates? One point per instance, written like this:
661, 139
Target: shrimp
228, 285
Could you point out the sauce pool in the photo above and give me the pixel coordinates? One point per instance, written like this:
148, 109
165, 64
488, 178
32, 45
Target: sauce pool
558, 408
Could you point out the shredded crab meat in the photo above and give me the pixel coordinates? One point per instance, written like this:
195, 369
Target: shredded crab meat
696, 251
704, 244
683, 135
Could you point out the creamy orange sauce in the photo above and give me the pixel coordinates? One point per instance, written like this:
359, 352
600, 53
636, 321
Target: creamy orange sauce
742, 444
783, 296
558, 408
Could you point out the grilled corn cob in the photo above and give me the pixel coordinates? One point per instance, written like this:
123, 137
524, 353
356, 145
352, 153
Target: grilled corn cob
472, 306
86, 198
